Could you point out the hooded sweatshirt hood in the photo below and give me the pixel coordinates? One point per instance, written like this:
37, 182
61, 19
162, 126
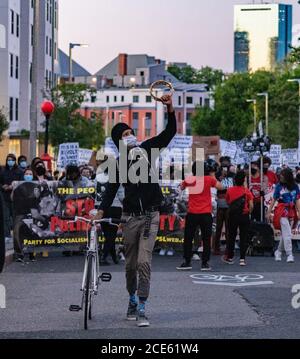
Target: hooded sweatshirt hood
117, 132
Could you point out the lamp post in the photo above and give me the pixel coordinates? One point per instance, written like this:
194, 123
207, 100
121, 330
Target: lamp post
298, 81
255, 115
71, 47
266, 95
47, 109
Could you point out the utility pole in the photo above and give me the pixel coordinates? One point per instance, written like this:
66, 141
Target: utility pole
34, 84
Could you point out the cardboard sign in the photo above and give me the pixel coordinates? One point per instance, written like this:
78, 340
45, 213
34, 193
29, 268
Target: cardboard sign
68, 154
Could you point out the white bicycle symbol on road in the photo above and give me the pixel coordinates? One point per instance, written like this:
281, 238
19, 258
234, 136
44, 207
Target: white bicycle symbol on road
238, 280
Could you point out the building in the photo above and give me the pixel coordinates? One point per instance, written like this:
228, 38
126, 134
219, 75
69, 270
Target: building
262, 35
80, 74
16, 22
123, 95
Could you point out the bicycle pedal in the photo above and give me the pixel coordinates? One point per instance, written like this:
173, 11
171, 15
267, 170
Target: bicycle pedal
105, 277
75, 308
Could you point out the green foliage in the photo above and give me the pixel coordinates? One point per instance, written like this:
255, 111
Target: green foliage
67, 124
3, 123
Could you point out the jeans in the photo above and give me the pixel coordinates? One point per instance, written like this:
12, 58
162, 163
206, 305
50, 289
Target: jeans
285, 243
242, 223
205, 221
110, 232
221, 219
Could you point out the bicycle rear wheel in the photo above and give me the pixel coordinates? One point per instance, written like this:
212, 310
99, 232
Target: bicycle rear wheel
88, 292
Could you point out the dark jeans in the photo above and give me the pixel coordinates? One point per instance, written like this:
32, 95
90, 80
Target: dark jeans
221, 219
256, 213
205, 221
110, 232
242, 223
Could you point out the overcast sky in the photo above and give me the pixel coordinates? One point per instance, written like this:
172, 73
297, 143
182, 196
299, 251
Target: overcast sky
199, 32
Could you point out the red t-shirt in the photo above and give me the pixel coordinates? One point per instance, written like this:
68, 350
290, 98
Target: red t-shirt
255, 188
272, 178
200, 200
236, 192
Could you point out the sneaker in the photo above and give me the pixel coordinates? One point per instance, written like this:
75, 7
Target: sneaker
162, 252
227, 260
242, 263
132, 311
20, 259
278, 256
142, 320
196, 257
185, 266
205, 267
170, 253
32, 257
290, 259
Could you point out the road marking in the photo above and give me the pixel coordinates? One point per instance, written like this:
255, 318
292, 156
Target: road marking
238, 280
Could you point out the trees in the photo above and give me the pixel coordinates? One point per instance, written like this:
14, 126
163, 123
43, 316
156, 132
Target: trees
67, 124
3, 123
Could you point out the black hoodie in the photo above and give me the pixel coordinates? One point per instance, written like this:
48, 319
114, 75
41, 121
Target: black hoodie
141, 196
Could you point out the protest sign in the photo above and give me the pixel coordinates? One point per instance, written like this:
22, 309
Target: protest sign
275, 155
84, 156
68, 154
289, 157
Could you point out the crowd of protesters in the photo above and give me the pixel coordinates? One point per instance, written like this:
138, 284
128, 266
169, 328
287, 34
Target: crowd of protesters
232, 186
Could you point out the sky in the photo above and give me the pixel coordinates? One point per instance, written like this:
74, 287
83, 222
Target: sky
199, 32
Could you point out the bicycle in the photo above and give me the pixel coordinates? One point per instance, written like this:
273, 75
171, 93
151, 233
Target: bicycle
91, 273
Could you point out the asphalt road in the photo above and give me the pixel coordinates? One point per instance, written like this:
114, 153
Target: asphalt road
256, 304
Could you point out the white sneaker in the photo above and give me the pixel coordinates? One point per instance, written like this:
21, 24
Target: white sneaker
196, 257
122, 257
170, 253
162, 252
278, 256
290, 259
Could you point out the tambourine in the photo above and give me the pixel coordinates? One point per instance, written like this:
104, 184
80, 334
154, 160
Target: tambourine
162, 83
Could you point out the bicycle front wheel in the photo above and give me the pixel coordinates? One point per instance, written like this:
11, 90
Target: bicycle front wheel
88, 292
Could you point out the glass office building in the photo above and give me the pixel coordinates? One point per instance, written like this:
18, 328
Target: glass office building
262, 35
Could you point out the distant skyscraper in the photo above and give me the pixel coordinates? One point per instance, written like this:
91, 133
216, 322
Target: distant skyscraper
262, 34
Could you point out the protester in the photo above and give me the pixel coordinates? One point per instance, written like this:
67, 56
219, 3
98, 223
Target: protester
86, 172
24, 200
240, 201
40, 171
272, 178
287, 212
22, 163
225, 175
257, 191
9, 174
56, 175
199, 212
141, 211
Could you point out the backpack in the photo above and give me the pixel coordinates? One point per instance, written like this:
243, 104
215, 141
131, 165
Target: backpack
236, 207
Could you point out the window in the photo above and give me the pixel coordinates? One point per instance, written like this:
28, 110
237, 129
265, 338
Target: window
201, 101
189, 100
31, 35
135, 118
55, 15
136, 99
148, 99
50, 47
107, 99
17, 110
122, 98
207, 102
17, 67
47, 76
115, 98
11, 60
47, 10
55, 51
148, 121
12, 22
30, 72
179, 100
148, 132
188, 124
142, 73
47, 39
113, 118
18, 25
50, 17
11, 109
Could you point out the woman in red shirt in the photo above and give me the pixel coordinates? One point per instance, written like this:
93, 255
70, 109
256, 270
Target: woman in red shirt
199, 212
240, 201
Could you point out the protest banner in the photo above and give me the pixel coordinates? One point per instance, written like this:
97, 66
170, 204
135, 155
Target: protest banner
289, 157
275, 155
228, 148
84, 156
68, 154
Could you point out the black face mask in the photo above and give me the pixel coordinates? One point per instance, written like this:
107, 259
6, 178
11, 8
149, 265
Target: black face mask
266, 170
253, 171
41, 171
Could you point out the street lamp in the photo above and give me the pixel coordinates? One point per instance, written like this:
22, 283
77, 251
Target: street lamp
298, 81
47, 109
254, 101
71, 47
266, 95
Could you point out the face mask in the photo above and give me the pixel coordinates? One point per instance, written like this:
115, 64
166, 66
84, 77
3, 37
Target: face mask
28, 178
266, 170
41, 171
23, 164
253, 171
11, 163
130, 141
